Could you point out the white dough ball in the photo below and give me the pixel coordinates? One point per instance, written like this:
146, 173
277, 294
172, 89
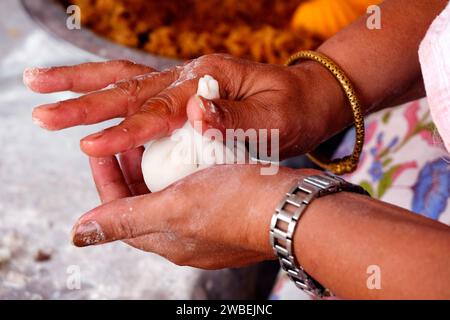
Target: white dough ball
186, 151
208, 88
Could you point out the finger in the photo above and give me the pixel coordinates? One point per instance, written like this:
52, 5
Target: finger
158, 118
222, 114
130, 162
111, 184
122, 100
122, 219
128, 135
84, 77
108, 178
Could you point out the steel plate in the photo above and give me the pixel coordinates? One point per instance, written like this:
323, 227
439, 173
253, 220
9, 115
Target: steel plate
51, 16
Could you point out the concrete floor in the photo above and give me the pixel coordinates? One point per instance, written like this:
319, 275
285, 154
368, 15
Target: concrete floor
45, 185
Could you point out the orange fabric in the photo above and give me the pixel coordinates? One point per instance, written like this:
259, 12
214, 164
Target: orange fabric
326, 17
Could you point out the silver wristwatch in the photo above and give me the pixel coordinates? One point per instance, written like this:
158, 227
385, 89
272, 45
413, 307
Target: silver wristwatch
288, 213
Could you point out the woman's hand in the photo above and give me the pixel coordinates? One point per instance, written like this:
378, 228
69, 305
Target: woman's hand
300, 101
204, 220
220, 217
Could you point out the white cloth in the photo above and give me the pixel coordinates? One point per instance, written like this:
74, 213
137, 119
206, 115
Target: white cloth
434, 56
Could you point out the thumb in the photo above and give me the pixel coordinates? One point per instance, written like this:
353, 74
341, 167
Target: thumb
221, 114
122, 219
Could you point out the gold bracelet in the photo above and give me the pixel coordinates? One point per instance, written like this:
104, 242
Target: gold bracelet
349, 163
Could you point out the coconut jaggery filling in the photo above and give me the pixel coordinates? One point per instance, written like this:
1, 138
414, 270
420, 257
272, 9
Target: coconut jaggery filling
257, 30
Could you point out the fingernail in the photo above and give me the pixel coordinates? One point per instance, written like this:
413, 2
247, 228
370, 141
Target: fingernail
37, 118
50, 106
212, 107
94, 136
30, 74
200, 103
36, 70
30, 71
38, 121
209, 104
87, 234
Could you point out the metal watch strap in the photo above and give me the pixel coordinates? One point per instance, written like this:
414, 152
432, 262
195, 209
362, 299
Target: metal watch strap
288, 213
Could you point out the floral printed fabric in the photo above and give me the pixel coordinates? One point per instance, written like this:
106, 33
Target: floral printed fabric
403, 162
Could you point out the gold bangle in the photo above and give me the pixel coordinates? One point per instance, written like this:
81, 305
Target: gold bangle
349, 163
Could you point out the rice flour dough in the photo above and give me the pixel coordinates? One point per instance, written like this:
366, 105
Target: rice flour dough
186, 151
